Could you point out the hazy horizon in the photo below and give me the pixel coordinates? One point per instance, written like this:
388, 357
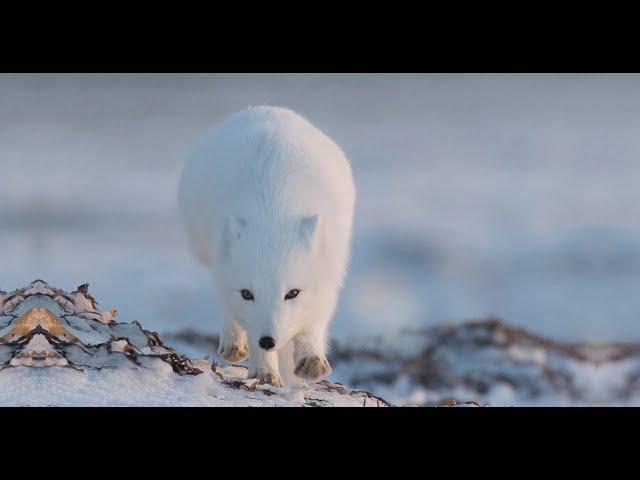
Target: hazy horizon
508, 195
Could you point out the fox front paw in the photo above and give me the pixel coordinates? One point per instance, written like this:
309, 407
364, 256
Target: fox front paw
313, 367
267, 376
233, 351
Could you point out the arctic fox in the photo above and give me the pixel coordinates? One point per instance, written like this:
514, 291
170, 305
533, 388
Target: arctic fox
268, 202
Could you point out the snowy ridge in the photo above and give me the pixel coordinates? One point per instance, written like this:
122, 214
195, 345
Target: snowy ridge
57, 348
494, 363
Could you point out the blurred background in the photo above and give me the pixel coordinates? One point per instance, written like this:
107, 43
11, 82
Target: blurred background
507, 195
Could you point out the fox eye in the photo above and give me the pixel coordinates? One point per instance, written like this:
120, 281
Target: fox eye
246, 294
292, 294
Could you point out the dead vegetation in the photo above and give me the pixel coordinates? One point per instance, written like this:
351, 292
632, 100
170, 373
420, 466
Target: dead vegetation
479, 356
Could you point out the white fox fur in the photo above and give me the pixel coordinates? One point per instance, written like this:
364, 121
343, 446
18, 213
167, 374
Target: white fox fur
268, 202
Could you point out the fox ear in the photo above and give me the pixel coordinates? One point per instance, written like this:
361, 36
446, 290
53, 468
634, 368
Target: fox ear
307, 229
234, 229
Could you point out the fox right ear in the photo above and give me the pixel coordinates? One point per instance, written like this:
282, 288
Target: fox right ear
234, 229
308, 227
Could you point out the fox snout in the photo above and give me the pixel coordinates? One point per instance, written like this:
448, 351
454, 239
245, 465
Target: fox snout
267, 343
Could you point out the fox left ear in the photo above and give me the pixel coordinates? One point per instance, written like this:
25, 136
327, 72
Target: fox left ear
307, 229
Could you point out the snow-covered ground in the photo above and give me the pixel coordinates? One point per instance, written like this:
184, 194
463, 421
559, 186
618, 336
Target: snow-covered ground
491, 362
486, 362
58, 349
479, 195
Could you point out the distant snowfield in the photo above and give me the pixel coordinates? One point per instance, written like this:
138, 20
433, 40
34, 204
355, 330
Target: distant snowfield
479, 195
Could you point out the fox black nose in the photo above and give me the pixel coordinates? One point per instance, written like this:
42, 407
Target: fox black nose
267, 343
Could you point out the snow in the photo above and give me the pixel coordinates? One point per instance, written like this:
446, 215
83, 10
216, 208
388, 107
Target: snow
156, 385
57, 349
494, 363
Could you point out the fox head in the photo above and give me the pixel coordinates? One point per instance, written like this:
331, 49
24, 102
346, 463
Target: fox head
270, 274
